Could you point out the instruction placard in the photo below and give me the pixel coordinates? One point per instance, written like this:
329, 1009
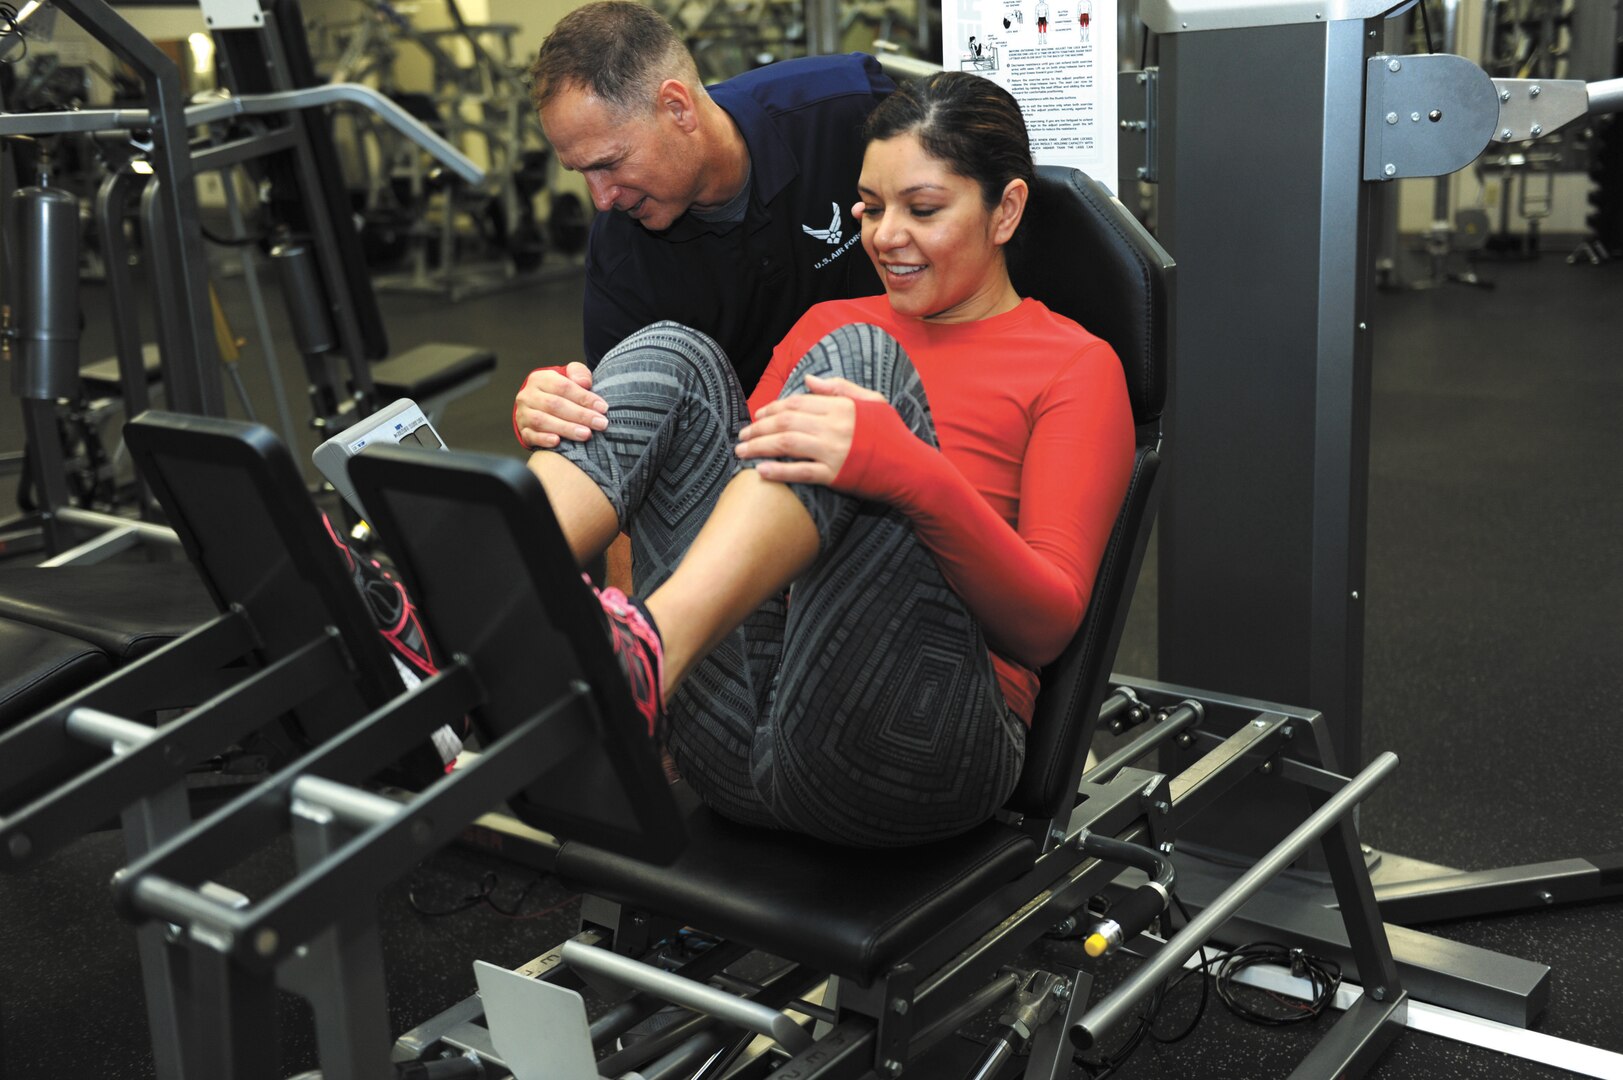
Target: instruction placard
1058, 59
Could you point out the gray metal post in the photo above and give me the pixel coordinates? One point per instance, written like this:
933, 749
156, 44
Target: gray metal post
340, 972
822, 27
147, 824
1262, 203
191, 364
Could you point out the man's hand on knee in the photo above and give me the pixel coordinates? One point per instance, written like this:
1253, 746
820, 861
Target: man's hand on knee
556, 404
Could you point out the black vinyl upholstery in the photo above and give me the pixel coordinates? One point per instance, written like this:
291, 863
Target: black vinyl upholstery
430, 369
63, 628
1080, 252
41, 668
852, 913
857, 912
1091, 261
124, 610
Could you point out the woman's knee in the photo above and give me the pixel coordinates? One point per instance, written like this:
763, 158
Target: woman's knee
678, 355
870, 357
858, 352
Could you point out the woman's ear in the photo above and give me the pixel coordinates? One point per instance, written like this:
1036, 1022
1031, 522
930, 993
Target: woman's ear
1010, 209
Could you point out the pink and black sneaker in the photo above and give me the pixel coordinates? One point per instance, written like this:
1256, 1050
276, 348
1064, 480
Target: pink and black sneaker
391, 609
641, 655
395, 617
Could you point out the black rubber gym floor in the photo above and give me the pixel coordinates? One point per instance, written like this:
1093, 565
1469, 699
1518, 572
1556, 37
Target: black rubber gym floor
1494, 639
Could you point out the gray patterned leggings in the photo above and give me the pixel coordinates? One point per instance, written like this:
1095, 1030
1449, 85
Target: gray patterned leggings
865, 711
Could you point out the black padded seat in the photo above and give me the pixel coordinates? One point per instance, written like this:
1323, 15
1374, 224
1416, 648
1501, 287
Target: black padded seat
858, 912
42, 667
429, 370
125, 610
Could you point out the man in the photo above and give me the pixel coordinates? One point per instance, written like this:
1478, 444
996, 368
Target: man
727, 210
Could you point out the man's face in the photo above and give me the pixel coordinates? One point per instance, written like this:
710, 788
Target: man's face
640, 164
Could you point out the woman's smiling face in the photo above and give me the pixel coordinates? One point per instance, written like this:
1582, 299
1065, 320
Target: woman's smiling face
936, 245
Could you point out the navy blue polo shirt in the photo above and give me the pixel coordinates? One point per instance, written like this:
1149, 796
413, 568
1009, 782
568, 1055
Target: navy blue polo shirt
746, 283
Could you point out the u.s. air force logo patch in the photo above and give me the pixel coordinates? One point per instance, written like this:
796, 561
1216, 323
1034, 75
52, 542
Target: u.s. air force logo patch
834, 236
833, 233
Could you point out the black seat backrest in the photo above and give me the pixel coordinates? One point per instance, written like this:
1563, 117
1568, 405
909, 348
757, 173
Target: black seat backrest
238, 502
1085, 256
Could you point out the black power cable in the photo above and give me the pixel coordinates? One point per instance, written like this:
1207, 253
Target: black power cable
1109, 1062
1324, 976
486, 897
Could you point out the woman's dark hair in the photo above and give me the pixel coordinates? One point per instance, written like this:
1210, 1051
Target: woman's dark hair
969, 123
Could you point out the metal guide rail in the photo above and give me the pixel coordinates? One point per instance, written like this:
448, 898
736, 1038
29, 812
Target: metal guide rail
228, 108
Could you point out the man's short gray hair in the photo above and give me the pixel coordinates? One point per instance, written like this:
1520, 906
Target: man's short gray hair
617, 50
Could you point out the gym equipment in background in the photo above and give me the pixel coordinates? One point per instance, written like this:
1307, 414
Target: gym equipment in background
456, 240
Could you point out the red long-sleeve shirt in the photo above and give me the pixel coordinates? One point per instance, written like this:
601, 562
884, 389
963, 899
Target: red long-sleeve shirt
1036, 436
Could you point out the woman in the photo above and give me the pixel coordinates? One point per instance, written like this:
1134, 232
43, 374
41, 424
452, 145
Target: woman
931, 475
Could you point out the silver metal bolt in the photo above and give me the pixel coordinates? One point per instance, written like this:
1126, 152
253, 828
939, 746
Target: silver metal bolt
1355, 594
1414, 117
1363, 326
1545, 896
891, 1067
1056, 835
1391, 169
1143, 77
1505, 134
1393, 65
1062, 991
1534, 91
1504, 95
1161, 807
899, 1006
1266, 768
1535, 131
1435, 115
1166, 848
1378, 993
1259, 722
1391, 118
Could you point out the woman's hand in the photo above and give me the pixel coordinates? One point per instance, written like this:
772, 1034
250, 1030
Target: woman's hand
813, 429
552, 406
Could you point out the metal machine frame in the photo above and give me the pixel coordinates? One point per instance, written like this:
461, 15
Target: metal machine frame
1263, 530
